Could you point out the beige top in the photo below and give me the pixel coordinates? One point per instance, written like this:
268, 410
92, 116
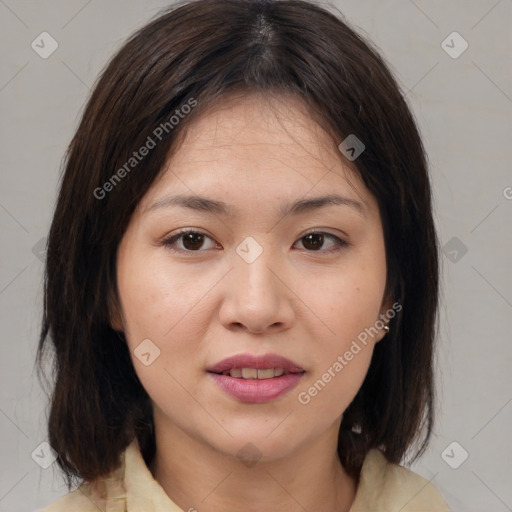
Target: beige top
383, 487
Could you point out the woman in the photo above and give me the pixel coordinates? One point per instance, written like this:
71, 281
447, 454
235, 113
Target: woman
242, 277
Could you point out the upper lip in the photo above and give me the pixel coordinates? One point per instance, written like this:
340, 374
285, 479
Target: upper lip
258, 362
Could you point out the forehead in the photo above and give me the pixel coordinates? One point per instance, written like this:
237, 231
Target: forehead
252, 144
267, 127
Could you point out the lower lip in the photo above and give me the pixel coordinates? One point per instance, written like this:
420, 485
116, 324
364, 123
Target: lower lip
257, 390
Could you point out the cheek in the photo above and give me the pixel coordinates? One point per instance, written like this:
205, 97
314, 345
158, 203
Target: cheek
348, 302
342, 363
349, 305
164, 307
330, 393
158, 301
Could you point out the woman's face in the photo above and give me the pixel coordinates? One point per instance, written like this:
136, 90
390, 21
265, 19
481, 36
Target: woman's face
257, 281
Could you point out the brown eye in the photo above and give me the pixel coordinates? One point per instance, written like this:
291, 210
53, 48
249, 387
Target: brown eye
191, 241
315, 241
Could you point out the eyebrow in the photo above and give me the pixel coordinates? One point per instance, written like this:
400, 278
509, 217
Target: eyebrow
301, 206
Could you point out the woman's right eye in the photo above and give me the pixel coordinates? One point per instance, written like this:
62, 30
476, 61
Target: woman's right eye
190, 241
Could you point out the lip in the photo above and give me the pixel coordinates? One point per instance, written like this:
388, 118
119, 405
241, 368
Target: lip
256, 390
258, 362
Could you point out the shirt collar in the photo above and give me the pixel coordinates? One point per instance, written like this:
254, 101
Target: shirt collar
382, 487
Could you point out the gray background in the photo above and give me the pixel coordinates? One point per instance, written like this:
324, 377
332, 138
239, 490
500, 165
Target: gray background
463, 106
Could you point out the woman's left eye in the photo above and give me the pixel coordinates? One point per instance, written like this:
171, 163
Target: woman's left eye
317, 239
193, 241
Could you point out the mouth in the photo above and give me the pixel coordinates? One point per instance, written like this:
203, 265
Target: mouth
256, 373
248, 366
256, 379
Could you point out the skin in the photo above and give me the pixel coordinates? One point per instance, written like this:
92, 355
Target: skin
199, 307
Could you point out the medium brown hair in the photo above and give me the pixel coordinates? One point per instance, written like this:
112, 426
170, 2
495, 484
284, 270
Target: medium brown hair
205, 50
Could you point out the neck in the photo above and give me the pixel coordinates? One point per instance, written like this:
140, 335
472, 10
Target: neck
197, 477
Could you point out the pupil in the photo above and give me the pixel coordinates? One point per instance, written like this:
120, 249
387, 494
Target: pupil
194, 239
319, 237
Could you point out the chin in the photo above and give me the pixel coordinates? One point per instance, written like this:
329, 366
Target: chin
262, 442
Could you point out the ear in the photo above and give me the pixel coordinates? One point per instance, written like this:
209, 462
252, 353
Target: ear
115, 318
385, 314
115, 321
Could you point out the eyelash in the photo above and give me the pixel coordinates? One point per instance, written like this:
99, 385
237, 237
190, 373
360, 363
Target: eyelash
169, 243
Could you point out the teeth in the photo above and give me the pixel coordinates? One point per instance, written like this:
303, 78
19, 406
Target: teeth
253, 373
249, 373
265, 374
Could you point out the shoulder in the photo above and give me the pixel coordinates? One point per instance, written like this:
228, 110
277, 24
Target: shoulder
79, 500
105, 493
384, 486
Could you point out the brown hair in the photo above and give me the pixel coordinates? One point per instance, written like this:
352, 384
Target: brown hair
201, 51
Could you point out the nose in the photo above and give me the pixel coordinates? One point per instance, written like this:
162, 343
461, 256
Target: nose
257, 297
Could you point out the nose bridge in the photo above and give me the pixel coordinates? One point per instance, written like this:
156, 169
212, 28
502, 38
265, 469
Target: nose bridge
256, 298
252, 272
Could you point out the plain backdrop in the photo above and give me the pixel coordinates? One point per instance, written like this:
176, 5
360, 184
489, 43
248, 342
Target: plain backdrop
462, 100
